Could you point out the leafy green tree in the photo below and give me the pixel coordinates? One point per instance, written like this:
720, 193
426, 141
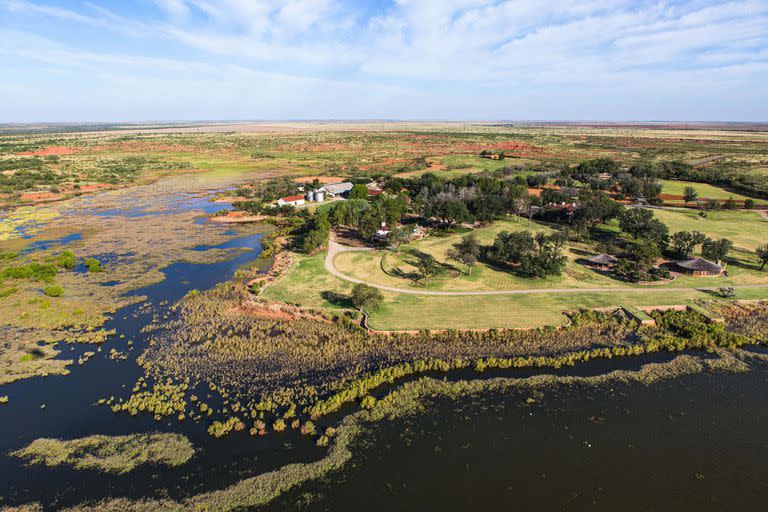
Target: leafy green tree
370, 222
730, 204
358, 192
398, 236
762, 253
595, 208
450, 211
598, 166
640, 223
537, 256
467, 251
749, 203
684, 242
366, 297
689, 195
428, 267
651, 191
638, 263
716, 250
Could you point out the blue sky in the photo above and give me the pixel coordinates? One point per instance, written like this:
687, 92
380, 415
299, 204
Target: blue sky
407, 59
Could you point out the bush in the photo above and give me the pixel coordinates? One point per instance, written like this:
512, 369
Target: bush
54, 291
93, 265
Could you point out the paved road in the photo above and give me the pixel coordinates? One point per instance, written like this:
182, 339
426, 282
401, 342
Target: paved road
335, 248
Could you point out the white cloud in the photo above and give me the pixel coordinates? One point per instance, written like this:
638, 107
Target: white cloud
450, 54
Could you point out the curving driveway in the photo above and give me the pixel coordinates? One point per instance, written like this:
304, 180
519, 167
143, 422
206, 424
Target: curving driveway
335, 248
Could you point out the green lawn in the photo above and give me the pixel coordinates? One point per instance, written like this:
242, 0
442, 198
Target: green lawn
746, 229
705, 190
408, 312
307, 280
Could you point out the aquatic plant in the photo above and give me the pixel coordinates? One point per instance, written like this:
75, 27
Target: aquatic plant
111, 454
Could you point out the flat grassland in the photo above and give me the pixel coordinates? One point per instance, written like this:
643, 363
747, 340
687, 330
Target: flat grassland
704, 191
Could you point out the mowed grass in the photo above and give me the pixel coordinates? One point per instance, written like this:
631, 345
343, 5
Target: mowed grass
305, 283
413, 312
307, 280
398, 270
746, 229
705, 191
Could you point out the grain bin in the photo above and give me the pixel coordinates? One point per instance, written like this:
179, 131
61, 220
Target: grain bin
319, 196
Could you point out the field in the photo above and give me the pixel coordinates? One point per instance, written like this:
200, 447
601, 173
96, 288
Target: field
704, 190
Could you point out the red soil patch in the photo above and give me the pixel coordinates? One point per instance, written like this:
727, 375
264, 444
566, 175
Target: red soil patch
48, 151
90, 188
230, 199
39, 196
322, 179
537, 191
512, 147
236, 217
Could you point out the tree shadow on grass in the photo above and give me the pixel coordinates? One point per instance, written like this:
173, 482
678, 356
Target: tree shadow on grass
338, 299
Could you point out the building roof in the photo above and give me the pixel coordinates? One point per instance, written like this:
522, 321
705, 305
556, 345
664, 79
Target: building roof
604, 259
374, 191
290, 199
701, 265
337, 188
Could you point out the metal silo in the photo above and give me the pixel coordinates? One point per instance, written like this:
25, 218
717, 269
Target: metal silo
319, 196
310, 195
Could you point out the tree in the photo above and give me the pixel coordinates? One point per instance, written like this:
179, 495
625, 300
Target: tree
358, 192
450, 211
749, 203
639, 262
466, 251
684, 242
730, 204
366, 297
716, 250
689, 195
369, 223
595, 208
397, 237
651, 191
538, 256
640, 223
762, 253
428, 266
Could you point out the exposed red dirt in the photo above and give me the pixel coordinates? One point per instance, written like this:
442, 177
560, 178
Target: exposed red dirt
49, 151
40, 196
322, 179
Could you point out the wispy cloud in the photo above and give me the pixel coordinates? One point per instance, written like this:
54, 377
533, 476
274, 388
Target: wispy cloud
446, 53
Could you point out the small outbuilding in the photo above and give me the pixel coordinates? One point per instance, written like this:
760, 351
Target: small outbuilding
699, 267
297, 200
603, 261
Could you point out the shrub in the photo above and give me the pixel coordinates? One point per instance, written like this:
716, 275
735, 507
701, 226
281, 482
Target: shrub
93, 265
53, 291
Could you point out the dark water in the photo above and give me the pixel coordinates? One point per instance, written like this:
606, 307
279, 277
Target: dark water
694, 443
